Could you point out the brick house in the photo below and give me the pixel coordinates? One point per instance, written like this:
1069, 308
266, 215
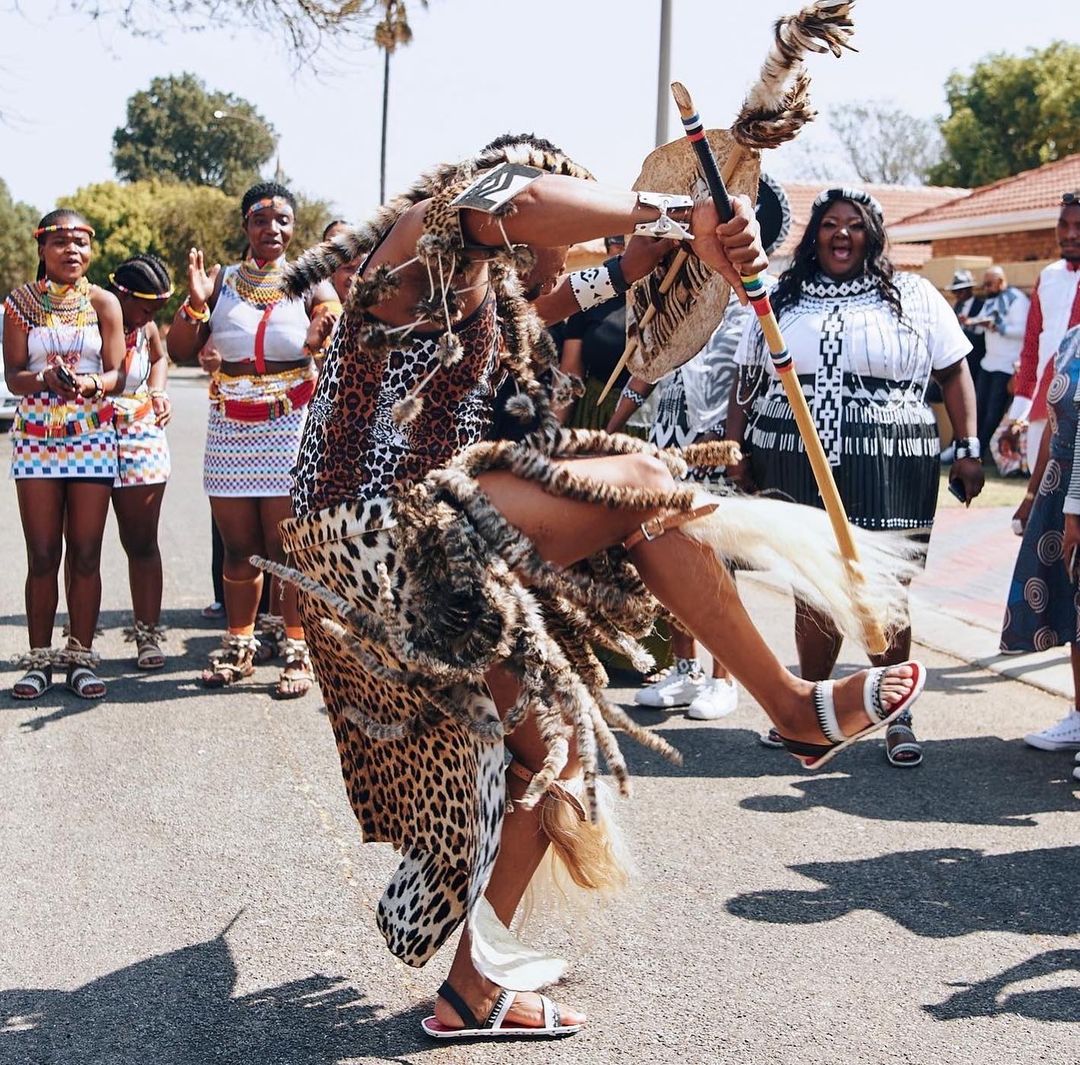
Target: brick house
1009, 223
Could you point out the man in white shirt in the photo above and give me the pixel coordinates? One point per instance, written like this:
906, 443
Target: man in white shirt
1002, 319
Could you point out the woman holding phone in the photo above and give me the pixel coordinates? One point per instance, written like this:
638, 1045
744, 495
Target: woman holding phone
866, 339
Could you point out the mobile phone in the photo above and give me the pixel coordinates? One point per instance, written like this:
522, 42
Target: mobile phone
65, 376
956, 487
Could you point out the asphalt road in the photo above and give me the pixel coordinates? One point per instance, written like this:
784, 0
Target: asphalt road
183, 882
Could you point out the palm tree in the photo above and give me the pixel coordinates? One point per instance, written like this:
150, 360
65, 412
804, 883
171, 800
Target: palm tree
393, 30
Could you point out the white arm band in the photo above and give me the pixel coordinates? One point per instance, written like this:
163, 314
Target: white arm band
592, 286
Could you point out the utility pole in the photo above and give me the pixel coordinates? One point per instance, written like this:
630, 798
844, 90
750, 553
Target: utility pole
663, 77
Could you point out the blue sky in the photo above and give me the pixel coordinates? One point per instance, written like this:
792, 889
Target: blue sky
581, 72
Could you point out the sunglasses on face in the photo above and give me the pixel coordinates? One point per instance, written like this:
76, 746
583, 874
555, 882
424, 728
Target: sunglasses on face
1070, 198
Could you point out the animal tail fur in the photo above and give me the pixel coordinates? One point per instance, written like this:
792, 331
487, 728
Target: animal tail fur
796, 544
319, 263
778, 106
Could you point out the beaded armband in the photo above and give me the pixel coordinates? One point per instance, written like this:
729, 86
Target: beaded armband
592, 286
188, 313
635, 397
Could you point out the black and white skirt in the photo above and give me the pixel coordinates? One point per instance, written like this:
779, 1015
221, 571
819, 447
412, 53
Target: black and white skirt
889, 454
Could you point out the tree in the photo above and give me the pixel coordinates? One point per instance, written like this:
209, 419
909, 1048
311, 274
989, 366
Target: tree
18, 250
885, 144
167, 218
178, 129
304, 25
1011, 113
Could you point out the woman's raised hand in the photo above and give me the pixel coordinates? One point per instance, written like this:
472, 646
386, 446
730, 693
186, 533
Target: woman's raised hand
201, 281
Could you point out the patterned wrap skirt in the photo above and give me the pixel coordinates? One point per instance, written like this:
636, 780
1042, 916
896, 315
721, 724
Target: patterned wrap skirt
889, 461
52, 438
1043, 608
253, 458
143, 450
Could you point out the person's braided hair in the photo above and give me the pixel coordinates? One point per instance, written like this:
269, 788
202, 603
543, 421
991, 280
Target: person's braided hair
265, 190
143, 273
804, 263
54, 218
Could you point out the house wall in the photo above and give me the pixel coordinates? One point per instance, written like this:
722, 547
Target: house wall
1001, 247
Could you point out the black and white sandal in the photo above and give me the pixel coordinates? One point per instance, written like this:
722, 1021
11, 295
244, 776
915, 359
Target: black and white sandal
814, 756
493, 1027
81, 678
37, 680
902, 747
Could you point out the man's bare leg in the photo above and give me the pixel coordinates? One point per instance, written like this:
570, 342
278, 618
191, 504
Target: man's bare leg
676, 569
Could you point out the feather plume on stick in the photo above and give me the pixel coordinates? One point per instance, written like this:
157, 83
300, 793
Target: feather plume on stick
779, 104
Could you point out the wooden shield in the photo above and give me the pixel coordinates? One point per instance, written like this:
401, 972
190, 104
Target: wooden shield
692, 307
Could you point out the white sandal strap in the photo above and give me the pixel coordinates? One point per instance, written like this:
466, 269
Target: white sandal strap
871, 693
551, 1013
825, 708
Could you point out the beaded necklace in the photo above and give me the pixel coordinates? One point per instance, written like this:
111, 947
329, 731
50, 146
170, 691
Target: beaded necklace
68, 313
261, 286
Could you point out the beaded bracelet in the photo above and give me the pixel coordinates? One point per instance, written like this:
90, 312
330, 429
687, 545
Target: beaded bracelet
99, 386
193, 316
158, 393
635, 397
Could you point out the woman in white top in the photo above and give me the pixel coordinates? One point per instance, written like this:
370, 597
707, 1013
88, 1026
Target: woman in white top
865, 341
63, 343
258, 402
142, 410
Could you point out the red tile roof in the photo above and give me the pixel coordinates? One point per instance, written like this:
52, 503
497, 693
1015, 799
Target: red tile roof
1031, 190
897, 201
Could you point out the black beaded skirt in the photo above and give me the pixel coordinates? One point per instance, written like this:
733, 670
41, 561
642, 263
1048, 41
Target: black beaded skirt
889, 454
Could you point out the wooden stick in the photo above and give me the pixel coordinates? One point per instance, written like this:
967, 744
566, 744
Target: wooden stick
873, 635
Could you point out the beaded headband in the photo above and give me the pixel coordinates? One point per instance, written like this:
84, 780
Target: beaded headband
79, 227
855, 195
139, 295
264, 203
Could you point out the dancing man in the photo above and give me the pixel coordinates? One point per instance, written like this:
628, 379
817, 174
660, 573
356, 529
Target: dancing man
453, 587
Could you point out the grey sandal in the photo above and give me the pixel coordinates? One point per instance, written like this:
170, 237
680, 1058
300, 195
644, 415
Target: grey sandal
902, 749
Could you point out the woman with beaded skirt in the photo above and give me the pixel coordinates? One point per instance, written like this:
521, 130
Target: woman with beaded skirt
142, 410
865, 340
258, 401
63, 344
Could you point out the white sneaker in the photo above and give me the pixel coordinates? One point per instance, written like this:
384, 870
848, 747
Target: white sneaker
717, 698
679, 686
1064, 736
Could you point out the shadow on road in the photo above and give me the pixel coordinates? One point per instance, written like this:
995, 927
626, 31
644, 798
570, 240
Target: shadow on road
179, 1009
936, 893
992, 997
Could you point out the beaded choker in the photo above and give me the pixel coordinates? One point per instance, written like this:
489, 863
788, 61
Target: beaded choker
826, 288
45, 303
259, 286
